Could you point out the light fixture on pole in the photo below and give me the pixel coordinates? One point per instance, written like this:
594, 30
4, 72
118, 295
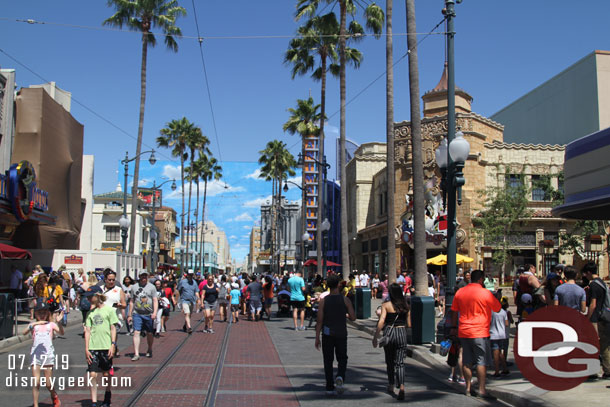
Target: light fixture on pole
152, 160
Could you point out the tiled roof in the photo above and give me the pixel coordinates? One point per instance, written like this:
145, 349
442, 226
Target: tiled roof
542, 213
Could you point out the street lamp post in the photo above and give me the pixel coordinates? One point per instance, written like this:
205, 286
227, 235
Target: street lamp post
124, 222
153, 232
325, 228
450, 157
305, 240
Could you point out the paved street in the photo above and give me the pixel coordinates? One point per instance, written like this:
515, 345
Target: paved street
262, 363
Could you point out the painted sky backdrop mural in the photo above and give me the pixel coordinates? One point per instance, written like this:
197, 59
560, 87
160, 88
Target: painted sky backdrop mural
233, 202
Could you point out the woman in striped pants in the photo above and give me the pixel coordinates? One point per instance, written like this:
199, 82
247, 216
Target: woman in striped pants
394, 320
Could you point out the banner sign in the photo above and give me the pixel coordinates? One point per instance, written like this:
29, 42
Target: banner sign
146, 195
18, 186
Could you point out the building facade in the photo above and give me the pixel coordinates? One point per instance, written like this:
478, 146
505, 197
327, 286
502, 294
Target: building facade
570, 105
282, 251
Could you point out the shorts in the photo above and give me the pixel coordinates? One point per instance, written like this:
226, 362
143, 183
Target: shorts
165, 312
210, 305
255, 306
186, 307
499, 344
42, 359
143, 323
269, 301
297, 304
222, 302
476, 351
100, 361
234, 307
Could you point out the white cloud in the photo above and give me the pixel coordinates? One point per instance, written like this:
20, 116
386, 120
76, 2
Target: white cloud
172, 172
256, 203
232, 237
249, 227
294, 180
144, 182
244, 217
255, 175
215, 187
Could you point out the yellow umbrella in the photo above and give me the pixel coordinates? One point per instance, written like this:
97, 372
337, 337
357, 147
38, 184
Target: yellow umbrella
441, 259
463, 259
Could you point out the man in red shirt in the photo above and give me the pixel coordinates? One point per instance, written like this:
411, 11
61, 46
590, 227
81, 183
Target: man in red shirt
474, 304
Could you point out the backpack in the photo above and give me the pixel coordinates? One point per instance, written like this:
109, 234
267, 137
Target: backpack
604, 314
85, 304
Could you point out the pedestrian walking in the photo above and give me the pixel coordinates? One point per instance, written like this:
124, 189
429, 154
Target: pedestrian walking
474, 304
143, 311
126, 286
42, 353
188, 292
100, 343
297, 300
598, 290
570, 294
224, 289
235, 295
255, 289
209, 293
394, 319
115, 298
331, 332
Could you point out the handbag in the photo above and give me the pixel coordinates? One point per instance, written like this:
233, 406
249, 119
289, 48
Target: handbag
385, 338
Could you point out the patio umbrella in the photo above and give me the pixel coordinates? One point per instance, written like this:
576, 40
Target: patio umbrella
441, 259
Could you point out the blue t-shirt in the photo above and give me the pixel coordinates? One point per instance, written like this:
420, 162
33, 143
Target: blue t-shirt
296, 293
188, 291
235, 294
570, 295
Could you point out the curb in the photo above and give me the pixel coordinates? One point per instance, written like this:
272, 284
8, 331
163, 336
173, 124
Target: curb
19, 339
421, 353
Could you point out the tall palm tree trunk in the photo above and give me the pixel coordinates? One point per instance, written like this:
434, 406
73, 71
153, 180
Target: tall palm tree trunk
136, 171
205, 195
182, 226
390, 174
197, 263
419, 238
188, 216
344, 240
321, 171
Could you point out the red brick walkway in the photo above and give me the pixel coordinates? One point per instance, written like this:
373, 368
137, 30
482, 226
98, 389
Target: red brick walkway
252, 374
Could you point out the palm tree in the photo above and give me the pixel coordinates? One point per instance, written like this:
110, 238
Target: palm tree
419, 238
143, 16
277, 164
174, 135
210, 170
303, 121
390, 174
374, 21
195, 141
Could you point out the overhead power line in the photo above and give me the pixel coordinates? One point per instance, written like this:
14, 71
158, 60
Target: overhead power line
84, 106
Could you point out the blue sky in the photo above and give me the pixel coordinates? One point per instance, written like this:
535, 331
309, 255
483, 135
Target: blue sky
503, 50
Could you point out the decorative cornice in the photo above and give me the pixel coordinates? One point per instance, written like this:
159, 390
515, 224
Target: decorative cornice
522, 146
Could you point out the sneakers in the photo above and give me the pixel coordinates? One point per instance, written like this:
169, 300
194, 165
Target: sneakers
302, 328
135, 358
296, 328
149, 354
461, 380
184, 328
339, 385
189, 331
210, 331
452, 379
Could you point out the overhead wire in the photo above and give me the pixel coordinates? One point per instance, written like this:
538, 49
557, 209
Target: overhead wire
84, 106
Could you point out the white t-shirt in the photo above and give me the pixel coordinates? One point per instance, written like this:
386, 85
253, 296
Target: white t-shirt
364, 280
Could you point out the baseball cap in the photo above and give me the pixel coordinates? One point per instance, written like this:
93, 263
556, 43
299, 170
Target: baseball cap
191, 271
142, 273
526, 298
235, 285
551, 276
94, 289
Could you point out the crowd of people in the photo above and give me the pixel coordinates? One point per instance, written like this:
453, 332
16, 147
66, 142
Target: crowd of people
478, 325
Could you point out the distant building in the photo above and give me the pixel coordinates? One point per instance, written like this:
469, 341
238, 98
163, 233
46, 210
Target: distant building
283, 248
167, 232
570, 105
7, 117
255, 248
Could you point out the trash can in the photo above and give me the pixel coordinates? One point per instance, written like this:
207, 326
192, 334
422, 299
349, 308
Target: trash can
422, 319
363, 303
7, 315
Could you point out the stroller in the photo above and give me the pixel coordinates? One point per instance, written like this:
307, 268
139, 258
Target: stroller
283, 303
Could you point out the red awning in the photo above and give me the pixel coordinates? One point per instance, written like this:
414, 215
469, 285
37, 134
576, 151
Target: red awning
11, 252
313, 262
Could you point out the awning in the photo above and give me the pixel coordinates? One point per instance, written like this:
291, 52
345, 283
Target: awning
313, 262
587, 178
12, 252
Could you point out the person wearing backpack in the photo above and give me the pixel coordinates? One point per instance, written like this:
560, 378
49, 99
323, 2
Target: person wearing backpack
599, 304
